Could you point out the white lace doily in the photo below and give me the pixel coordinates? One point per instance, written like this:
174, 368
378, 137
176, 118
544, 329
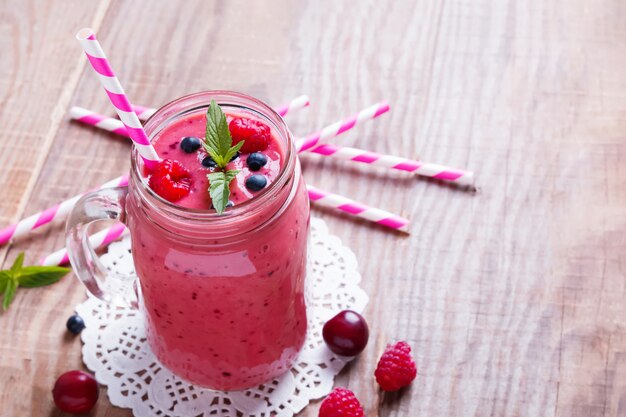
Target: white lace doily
116, 350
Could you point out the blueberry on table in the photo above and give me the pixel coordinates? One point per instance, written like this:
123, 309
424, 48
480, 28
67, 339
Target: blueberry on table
256, 182
190, 144
256, 161
208, 162
235, 156
230, 204
75, 324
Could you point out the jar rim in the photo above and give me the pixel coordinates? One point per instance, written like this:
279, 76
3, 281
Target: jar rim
193, 102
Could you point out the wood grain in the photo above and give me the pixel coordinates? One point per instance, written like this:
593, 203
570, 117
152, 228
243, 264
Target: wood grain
513, 298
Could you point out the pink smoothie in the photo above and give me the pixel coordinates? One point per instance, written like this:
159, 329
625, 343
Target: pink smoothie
223, 312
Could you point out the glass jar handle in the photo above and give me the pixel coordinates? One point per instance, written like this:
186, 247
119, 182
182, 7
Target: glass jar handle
104, 204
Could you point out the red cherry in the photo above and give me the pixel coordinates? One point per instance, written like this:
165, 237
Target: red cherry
75, 392
346, 334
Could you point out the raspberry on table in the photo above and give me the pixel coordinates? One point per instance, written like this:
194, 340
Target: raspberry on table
341, 402
396, 368
171, 180
256, 135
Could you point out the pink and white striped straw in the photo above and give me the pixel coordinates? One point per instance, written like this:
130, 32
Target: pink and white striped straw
57, 212
341, 126
297, 103
316, 195
357, 209
100, 121
425, 169
110, 124
113, 125
100, 239
142, 112
114, 90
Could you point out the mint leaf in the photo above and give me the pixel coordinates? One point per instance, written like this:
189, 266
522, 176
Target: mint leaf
28, 277
217, 137
5, 276
219, 160
232, 151
9, 293
39, 276
219, 188
218, 144
18, 262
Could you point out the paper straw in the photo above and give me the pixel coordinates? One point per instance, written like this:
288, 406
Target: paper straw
57, 212
426, 169
111, 124
357, 209
114, 90
102, 238
341, 126
142, 112
297, 103
89, 117
323, 198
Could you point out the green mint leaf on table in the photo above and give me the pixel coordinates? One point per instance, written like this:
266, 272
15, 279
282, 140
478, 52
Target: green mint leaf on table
9, 293
18, 262
219, 189
39, 276
27, 277
4, 279
219, 144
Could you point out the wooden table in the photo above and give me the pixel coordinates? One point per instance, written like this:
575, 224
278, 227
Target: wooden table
513, 298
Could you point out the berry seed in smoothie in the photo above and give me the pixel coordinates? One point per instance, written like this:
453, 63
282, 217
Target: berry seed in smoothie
182, 176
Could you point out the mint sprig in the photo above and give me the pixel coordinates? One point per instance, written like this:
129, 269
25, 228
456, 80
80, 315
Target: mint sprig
219, 189
219, 145
27, 277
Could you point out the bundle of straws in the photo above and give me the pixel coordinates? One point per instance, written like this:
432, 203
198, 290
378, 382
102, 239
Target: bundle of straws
129, 125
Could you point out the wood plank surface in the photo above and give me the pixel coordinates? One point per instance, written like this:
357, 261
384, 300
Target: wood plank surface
513, 298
